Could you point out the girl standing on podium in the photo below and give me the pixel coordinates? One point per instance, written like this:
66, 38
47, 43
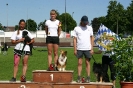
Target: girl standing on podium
53, 30
20, 50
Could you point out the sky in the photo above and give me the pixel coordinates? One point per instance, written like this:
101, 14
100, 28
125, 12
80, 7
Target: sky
39, 10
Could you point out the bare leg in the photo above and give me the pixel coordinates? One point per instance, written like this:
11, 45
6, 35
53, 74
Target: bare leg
16, 64
55, 53
79, 66
87, 66
49, 47
25, 64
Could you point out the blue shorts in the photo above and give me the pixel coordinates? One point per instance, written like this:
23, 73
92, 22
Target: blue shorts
85, 53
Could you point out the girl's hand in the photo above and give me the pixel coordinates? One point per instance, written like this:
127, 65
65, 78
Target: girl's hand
91, 52
22, 39
75, 52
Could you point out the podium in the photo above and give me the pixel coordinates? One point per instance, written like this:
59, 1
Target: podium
53, 79
52, 76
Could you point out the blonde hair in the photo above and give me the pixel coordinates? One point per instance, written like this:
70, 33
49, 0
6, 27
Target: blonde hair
53, 11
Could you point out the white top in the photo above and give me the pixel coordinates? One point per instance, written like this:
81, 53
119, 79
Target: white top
83, 37
19, 46
52, 27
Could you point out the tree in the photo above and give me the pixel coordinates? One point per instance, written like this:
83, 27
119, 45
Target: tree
1, 27
68, 23
130, 17
116, 17
31, 25
16, 27
41, 25
96, 22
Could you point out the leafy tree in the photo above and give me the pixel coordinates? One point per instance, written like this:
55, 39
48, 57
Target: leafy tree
16, 27
68, 23
130, 17
1, 27
31, 25
96, 22
116, 17
41, 25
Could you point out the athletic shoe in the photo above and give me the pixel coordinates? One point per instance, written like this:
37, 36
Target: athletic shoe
23, 78
87, 79
13, 79
56, 69
78, 79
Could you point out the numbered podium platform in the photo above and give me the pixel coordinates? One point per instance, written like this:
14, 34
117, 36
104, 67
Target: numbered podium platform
53, 79
52, 76
18, 84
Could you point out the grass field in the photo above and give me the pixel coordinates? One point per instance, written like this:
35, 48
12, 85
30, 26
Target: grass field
38, 61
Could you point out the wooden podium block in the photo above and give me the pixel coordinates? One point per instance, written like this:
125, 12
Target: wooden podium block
52, 76
7, 84
83, 85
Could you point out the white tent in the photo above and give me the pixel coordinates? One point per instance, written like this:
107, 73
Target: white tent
2, 33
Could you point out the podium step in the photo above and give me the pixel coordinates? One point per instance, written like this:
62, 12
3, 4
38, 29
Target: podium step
52, 76
18, 84
7, 84
83, 85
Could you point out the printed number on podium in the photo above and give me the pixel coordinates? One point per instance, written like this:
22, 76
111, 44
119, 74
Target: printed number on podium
52, 77
22, 86
82, 87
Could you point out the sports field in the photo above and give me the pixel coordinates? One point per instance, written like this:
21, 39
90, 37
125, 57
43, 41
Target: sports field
38, 61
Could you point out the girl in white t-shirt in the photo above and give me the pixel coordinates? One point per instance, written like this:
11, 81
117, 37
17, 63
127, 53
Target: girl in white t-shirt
83, 46
53, 30
19, 49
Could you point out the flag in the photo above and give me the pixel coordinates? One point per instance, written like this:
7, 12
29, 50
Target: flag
104, 37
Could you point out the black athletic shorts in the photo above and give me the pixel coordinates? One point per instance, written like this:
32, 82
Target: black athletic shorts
52, 39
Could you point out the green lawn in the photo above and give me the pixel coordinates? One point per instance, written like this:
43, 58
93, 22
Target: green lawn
38, 61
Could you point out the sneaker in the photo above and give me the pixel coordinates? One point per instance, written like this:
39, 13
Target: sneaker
78, 79
56, 69
87, 79
23, 78
48, 69
13, 79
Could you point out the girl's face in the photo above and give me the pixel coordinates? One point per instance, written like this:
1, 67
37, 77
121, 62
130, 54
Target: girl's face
22, 25
84, 24
53, 15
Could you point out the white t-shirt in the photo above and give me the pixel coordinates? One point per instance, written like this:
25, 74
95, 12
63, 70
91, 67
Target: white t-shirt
19, 46
52, 27
83, 37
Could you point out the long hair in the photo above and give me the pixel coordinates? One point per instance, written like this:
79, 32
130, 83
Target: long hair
22, 20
